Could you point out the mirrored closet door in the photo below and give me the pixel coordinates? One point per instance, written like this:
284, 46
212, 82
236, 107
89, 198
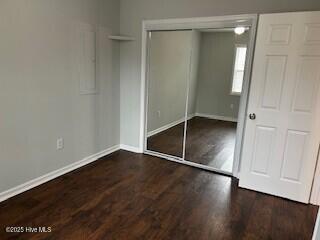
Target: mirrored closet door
217, 73
169, 55
194, 87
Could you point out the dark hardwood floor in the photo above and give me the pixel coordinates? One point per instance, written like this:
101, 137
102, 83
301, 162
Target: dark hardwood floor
135, 196
169, 141
209, 142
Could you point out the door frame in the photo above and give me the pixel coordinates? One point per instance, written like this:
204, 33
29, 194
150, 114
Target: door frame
195, 24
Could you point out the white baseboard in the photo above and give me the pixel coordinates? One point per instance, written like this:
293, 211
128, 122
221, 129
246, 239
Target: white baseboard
315, 193
170, 125
54, 174
166, 127
216, 117
316, 230
130, 148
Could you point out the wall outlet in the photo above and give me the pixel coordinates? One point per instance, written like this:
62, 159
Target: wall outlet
231, 106
60, 143
158, 113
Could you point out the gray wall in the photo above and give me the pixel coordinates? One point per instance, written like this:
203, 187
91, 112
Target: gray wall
134, 11
169, 64
210, 75
194, 68
39, 93
217, 51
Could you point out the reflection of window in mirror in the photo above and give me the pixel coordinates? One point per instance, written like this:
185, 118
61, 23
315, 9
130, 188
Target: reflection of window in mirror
238, 69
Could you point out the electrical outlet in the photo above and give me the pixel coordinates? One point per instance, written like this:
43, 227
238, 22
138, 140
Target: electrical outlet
60, 143
231, 106
159, 113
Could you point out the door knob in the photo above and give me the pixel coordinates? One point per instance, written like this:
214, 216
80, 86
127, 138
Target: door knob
252, 116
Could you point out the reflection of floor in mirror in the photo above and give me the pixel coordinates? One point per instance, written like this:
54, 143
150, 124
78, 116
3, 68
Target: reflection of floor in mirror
210, 142
169, 141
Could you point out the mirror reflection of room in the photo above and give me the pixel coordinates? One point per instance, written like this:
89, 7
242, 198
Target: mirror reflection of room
195, 80
168, 74
218, 64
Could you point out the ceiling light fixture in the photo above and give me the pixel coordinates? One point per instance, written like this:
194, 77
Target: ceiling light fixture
239, 30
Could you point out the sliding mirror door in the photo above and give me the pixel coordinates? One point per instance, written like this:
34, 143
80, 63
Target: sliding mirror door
169, 54
217, 73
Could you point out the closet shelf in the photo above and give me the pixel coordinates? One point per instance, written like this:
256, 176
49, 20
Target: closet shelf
121, 38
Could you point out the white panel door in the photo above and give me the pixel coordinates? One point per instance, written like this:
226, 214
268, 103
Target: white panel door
282, 139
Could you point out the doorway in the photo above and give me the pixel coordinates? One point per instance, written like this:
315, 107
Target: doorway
196, 86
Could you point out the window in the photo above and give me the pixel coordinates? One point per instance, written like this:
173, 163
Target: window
238, 71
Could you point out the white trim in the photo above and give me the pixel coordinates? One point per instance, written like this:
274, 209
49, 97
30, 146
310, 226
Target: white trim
180, 160
315, 190
169, 125
187, 98
242, 113
316, 230
246, 20
143, 95
200, 22
130, 148
217, 117
54, 174
121, 38
181, 120
165, 127
315, 193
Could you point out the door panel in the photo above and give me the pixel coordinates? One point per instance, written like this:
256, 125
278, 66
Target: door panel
273, 82
306, 83
312, 35
281, 144
279, 34
262, 150
293, 155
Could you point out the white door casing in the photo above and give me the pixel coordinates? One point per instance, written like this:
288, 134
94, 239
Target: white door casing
280, 146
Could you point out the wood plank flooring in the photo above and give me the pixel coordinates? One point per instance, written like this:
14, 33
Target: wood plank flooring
209, 142
135, 196
169, 141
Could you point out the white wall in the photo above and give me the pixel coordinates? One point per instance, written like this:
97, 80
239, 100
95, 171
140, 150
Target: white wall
169, 64
217, 52
133, 12
39, 90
